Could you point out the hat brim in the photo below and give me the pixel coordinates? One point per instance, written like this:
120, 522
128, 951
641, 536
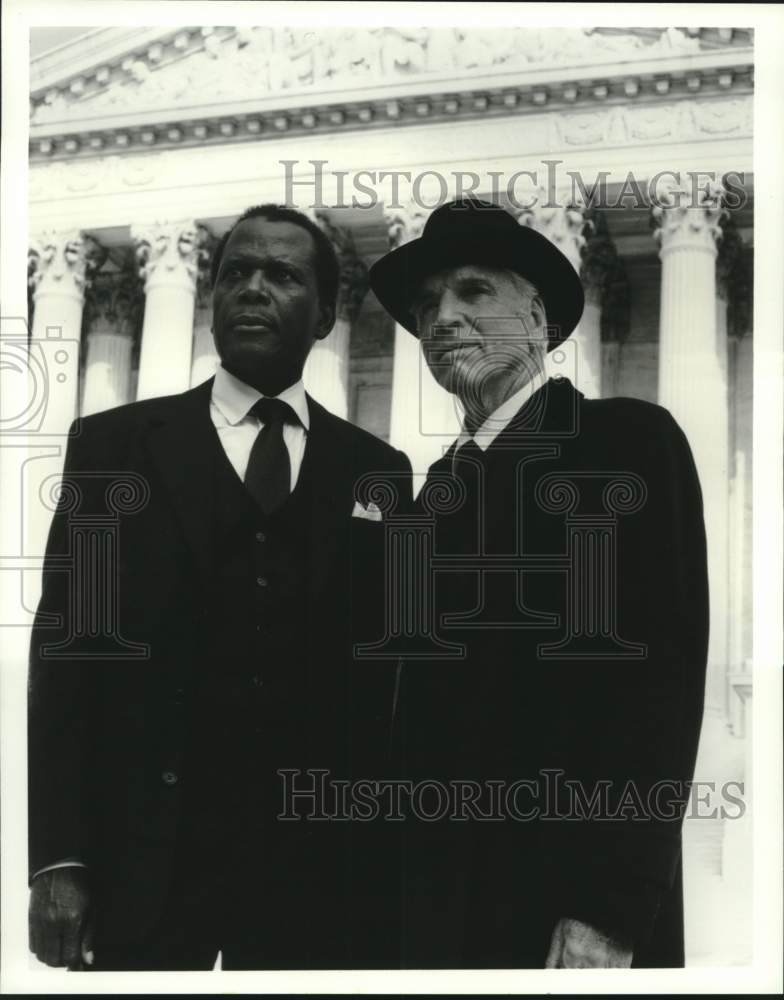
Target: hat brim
396, 277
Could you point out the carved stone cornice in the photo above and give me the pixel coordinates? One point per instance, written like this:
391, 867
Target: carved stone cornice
169, 252
680, 224
182, 90
63, 262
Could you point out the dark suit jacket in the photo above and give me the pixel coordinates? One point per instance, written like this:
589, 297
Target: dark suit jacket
106, 726
484, 893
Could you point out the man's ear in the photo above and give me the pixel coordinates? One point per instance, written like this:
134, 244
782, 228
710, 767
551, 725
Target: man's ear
538, 315
326, 321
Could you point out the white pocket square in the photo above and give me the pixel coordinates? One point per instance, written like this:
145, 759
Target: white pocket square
369, 513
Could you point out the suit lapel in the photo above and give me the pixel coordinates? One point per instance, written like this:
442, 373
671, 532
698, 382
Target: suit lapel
180, 446
551, 410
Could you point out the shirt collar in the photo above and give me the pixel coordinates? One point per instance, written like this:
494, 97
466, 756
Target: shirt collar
234, 398
502, 417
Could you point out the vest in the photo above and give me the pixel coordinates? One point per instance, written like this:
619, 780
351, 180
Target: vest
248, 713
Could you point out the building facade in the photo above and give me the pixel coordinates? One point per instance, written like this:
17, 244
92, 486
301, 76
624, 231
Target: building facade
630, 148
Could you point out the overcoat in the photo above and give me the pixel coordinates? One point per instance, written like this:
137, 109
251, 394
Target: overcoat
112, 728
569, 577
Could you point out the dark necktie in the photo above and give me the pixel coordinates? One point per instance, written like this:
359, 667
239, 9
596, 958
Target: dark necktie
268, 476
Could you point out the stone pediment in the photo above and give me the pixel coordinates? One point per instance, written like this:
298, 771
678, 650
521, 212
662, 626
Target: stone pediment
208, 66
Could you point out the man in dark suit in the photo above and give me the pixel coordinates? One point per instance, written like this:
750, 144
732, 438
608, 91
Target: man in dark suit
156, 740
569, 569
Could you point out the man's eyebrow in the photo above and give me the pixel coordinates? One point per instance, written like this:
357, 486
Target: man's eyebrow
476, 276
238, 257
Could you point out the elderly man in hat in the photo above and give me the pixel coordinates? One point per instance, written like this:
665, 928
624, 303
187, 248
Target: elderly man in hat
570, 590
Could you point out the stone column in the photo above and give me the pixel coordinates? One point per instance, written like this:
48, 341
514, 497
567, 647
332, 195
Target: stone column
693, 387
61, 265
204, 359
327, 367
735, 286
112, 312
168, 255
565, 225
425, 418
730, 250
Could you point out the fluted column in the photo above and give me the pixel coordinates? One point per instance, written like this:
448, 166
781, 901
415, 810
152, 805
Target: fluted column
112, 312
327, 367
204, 357
564, 225
424, 418
693, 386
168, 255
730, 250
61, 265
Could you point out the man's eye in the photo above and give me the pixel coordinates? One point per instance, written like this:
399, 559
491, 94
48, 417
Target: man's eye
283, 274
232, 273
474, 288
423, 309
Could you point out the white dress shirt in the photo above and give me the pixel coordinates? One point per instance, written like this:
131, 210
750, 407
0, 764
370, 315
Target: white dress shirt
500, 419
238, 428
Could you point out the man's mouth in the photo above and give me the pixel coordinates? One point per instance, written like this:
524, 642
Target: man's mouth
444, 351
251, 321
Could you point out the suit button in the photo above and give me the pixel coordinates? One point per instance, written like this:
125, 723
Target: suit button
169, 778
260, 536
261, 581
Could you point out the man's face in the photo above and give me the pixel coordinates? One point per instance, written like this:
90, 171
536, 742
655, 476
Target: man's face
482, 332
266, 309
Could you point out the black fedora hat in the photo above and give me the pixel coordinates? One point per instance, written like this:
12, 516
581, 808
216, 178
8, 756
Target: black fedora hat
470, 231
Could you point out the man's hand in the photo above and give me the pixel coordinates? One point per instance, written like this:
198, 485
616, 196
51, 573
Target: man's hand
60, 903
576, 945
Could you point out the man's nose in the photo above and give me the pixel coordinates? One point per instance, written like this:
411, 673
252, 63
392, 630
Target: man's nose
256, 286
450, 313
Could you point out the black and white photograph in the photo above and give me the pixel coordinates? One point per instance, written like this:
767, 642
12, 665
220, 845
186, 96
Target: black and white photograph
391, 447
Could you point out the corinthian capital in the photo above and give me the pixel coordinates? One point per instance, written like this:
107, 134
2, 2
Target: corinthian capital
353, 271
730, 250
206, 248
405, 223
63, 262
683, 221
115, 299
169, 252
563, 225
600, 265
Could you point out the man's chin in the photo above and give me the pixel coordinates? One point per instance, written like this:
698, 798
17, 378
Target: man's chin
261, 368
